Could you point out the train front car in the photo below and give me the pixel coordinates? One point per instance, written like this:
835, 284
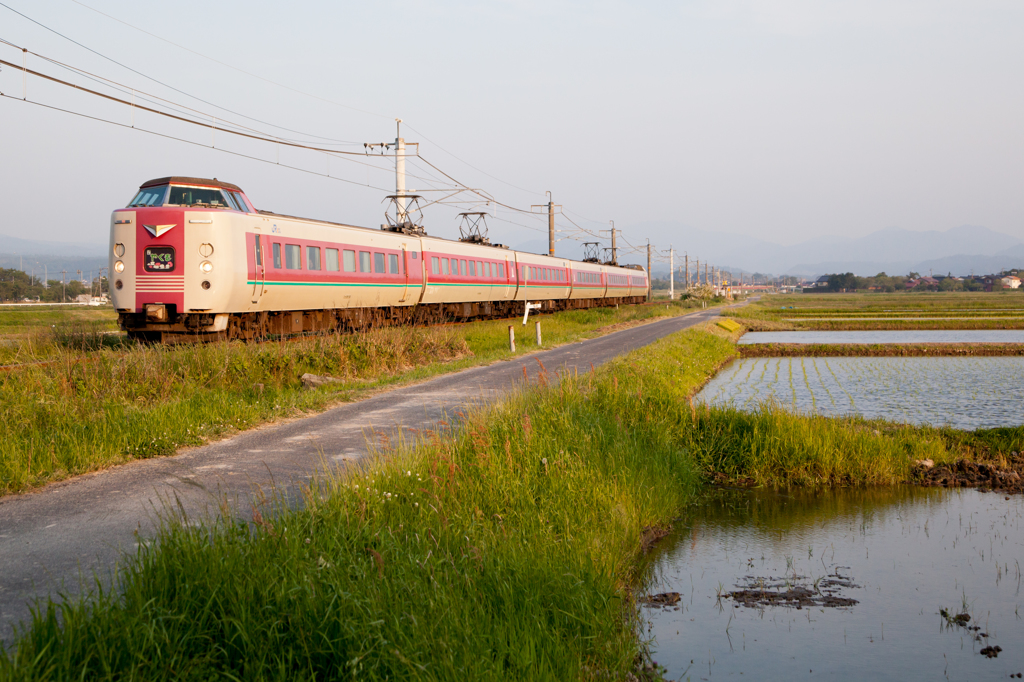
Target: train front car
174, 265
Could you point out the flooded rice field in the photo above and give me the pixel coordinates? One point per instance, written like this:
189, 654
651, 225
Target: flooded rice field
963, 392
908, 336
882, 584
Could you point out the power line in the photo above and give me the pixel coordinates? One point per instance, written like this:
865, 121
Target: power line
239, 129
234, 68
191, 142
137, 72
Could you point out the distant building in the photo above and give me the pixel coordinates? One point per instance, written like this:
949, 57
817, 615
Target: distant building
1011, 281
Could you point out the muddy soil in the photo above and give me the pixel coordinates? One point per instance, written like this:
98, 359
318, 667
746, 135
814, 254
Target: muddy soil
795, 592
985, 476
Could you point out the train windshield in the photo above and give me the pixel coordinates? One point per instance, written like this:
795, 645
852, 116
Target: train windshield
207, 197
149, 196
175, 195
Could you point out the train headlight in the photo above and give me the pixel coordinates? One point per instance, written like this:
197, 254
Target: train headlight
119, 266
206, 266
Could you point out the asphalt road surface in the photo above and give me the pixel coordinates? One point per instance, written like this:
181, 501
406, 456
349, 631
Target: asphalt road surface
53, 538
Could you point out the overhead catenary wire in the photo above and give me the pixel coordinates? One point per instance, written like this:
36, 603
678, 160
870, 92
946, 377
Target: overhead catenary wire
233, 128
191, 142
235, 68
137, 72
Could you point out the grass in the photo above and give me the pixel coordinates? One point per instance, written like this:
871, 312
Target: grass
844, 312
91, 406
507, 550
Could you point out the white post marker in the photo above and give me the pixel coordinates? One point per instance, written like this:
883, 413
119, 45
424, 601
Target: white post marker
512, 338
529, 307
538, 334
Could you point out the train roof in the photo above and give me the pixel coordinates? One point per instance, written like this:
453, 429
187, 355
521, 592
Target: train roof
183, 180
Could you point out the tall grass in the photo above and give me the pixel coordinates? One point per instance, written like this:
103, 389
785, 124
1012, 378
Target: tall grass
507, 550
503, 552
95, 402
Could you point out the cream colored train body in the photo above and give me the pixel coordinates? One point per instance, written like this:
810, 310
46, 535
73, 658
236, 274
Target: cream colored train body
191, 258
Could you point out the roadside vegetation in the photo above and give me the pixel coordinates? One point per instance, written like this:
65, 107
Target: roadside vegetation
91, 405
508, 550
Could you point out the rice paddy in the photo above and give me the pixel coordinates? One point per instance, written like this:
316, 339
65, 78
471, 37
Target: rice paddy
889, 336
910, 310
964, 393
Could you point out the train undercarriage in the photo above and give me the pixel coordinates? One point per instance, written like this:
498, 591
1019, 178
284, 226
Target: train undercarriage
208, 327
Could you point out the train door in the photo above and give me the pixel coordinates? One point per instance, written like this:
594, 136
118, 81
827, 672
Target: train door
260, 278
405, 273
509, 274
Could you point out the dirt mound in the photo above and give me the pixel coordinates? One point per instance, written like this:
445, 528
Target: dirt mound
981, 475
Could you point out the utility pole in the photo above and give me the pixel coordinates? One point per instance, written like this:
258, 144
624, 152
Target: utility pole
402, 212
697, 275
648, 269
551, 226
671, 273
551, 221
401, 199
686, 259
706, 280
615, 255
63, 287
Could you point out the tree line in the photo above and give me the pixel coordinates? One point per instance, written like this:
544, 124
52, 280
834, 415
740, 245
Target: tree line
18, 286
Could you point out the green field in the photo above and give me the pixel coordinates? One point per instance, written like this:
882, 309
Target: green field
83, 410
509, 550
924, 310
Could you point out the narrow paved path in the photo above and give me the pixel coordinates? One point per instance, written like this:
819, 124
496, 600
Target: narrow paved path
51, 538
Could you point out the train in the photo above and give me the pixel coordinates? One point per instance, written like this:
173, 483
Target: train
191, 259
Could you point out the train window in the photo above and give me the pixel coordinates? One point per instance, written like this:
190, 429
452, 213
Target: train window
312, 257
472, 268
150, 196
259, 252
332, 260
277, 256
435, 265
231, 201
364, 262
207, 197
393, 264
444, 266
292, 257
240, 200
349, 260
501, 270
158, 259
378, 263
462, 268
480, 268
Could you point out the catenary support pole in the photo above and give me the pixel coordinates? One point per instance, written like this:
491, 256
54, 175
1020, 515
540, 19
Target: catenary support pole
671, 274
648, 269
551, 226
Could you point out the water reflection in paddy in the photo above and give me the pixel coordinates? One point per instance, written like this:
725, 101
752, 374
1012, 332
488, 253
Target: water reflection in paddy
964, 392
910, 551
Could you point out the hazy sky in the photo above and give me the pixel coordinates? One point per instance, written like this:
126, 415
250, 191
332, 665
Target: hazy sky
785, 119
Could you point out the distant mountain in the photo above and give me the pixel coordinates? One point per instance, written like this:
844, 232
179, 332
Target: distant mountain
37, 247
892, 250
